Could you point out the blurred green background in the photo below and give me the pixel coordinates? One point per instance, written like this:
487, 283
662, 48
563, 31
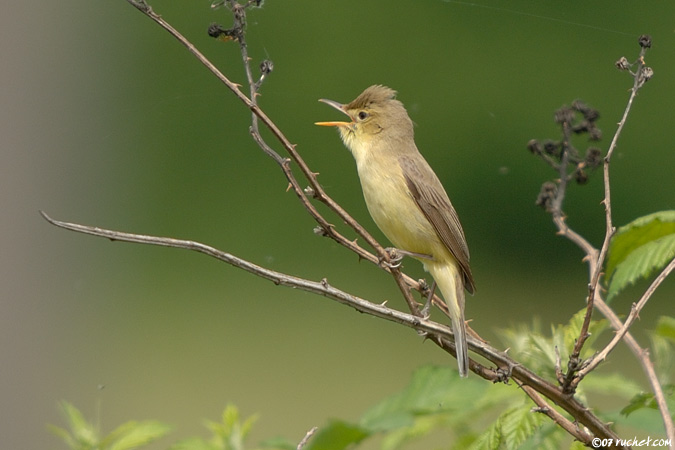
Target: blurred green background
107, 121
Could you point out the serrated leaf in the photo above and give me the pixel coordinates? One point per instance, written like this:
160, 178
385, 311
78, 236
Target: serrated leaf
337, 435
431, 390
63, 434
83, 433
576, 445
641, 263
547, 437
663, 349
640, 247
639, 401
519, 426
136, 434
637, 233
422, 426
665, 328
510, 430
572, 330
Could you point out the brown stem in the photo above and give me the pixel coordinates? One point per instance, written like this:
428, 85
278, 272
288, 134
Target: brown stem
440, 334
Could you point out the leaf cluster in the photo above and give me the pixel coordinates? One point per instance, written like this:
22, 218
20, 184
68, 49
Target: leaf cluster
467, 413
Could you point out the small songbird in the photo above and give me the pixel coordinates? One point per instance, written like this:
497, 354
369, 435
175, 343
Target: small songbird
406, 199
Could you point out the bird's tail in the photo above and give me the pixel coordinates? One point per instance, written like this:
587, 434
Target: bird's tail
449, 280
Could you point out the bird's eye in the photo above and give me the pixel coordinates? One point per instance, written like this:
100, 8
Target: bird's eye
363, 115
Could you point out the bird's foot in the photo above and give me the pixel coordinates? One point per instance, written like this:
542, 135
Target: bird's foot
395, 258
426, 310
396, 255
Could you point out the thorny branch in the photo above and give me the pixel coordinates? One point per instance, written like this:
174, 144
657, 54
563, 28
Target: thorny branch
561, 156
314, 189
533, 385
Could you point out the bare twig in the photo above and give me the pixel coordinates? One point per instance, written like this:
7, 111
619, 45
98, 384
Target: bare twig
532, 384
440, 334
404, 283
317, 287
634, 314
306, 439
578, 369
643, 355
547, 409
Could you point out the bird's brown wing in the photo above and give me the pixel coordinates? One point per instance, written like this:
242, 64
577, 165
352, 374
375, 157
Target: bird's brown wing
428, 193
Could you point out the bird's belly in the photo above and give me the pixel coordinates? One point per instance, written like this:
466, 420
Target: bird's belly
398, 216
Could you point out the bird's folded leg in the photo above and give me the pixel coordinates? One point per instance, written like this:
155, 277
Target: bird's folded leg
426, 310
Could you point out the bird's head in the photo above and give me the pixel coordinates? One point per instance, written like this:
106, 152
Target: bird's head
375, 115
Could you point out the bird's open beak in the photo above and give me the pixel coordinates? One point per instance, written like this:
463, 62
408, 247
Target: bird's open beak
340, 107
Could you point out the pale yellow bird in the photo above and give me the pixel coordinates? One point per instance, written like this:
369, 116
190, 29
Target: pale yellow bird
406, 199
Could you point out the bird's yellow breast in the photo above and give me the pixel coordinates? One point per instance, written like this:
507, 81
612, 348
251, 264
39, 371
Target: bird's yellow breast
393, 209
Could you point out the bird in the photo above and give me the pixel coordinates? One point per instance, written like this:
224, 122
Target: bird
406, 199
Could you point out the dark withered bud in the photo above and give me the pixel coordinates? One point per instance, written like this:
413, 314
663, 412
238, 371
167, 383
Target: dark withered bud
266, 67
217, 31
593, 157
580, 106
534, 146
546, 195
622, 64
552, 148
591, 114
581, 176
564, 114
581, 127
594, 134
239, 14
645, 41
645, 75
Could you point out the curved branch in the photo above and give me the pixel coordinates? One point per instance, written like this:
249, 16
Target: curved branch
596, 261
404, 283
440, 334
532, 384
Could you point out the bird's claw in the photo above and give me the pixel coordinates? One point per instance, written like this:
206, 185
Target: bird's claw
395, 258
426, 310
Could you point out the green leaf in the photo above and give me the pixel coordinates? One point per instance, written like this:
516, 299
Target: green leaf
194, 443
663, 349
639, 248
611, 384
639, 401
510, 430
665, 328
135, 434
337, 435
63, 434
83, 435
431, 390
278, 444
423, 425
576, 445
548, 437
